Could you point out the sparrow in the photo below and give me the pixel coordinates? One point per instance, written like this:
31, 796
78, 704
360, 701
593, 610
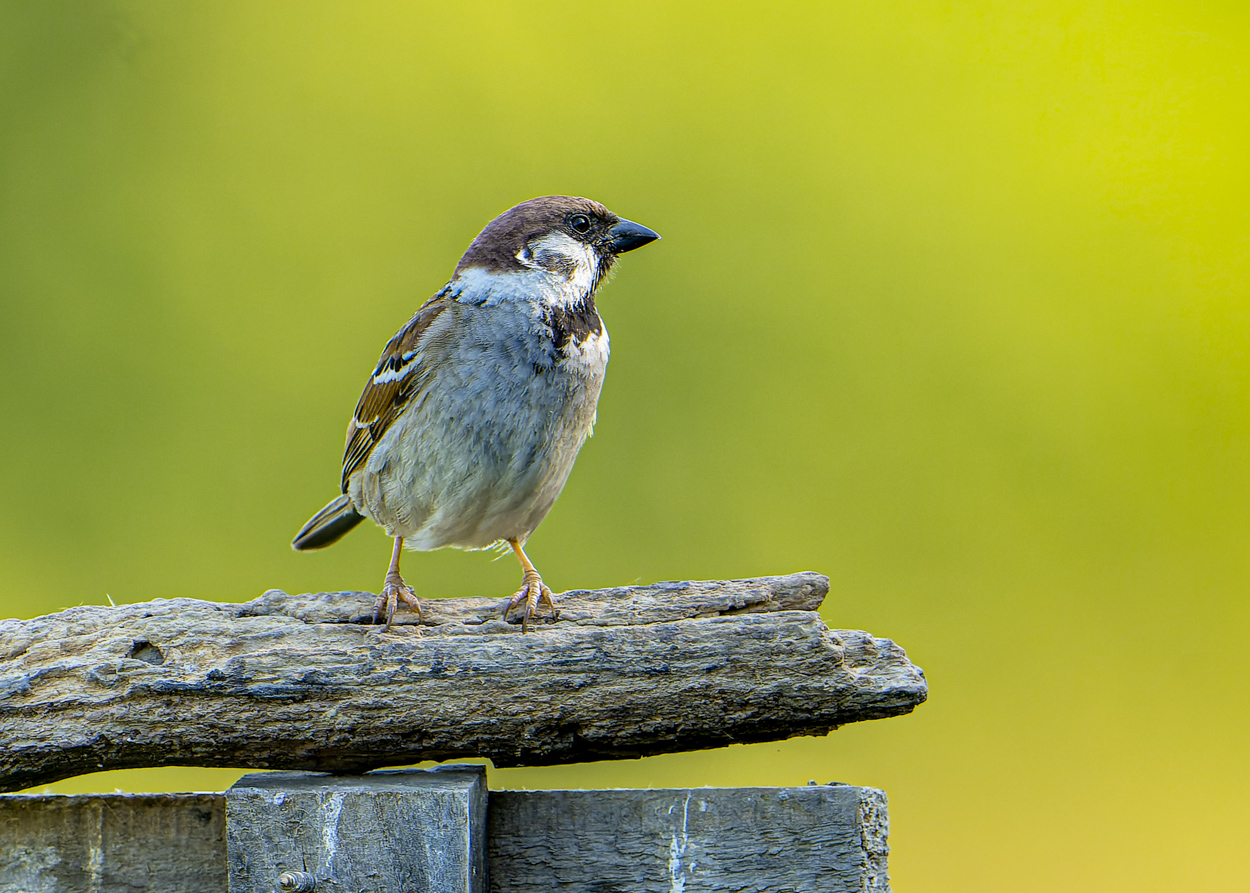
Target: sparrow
469, 424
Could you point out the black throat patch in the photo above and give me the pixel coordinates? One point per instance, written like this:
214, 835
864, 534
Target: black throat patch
574, 323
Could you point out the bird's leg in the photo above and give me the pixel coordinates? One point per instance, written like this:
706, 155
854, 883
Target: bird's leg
532, 591
393, 589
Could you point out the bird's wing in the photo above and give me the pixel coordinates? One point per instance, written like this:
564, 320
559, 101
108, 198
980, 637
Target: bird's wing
392, 385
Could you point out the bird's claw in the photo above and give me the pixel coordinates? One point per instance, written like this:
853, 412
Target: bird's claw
393, 590
532, 592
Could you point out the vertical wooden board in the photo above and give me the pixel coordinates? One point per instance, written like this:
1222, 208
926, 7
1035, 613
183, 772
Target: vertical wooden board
115, 843
782, 840
396, 830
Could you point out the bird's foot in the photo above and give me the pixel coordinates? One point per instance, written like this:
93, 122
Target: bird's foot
393, 590
532, 592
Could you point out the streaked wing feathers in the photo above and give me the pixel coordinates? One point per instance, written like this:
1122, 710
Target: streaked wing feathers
393, 383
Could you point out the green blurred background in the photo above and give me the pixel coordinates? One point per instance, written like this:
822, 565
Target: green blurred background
952, 305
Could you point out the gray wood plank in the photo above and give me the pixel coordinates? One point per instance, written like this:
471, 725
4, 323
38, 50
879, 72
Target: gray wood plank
297, 682
812, 839
817, 839
387, 831
119, 843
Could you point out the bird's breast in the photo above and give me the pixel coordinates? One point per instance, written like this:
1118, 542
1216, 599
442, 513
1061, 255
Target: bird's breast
578, 340
485, 449
519, 371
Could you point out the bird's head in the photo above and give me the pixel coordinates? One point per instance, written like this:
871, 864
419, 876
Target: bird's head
574, 240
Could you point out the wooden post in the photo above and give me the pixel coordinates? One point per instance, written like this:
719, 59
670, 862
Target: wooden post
815, 839
400, 830
93, 843
393, 832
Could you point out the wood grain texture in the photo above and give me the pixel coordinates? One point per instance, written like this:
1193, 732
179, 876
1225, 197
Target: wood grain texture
299, 682
408, 829
160, 843
816, 839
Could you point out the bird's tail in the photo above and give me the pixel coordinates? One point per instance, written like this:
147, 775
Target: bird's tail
328, 525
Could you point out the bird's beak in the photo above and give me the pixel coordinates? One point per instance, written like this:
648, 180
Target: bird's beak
627, 235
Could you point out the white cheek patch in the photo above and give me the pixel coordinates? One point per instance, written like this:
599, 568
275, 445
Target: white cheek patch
583, 258
536, 284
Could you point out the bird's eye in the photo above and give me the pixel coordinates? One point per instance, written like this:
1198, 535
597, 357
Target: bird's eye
580, 223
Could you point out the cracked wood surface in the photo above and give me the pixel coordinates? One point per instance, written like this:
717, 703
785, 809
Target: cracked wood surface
305, 682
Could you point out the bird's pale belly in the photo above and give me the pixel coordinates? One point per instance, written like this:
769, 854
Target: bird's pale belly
483, 459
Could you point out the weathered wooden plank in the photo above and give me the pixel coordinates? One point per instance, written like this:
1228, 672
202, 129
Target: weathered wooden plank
297, 683
816, 839
120, 843
617, 606
393, 830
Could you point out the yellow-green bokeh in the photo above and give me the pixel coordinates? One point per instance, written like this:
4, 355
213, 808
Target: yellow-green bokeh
952, 305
